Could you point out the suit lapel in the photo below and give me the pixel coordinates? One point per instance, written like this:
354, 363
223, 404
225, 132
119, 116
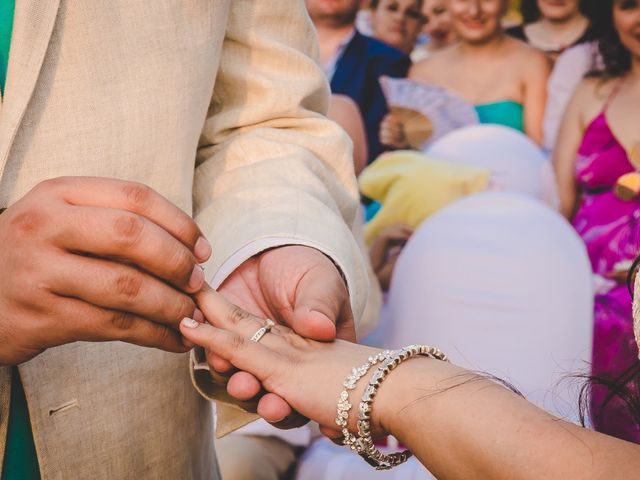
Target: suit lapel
32, 27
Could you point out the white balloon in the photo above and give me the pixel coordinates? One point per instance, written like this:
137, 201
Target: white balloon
516, 163
501, 284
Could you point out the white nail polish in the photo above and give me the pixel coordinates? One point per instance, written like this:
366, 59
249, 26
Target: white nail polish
189, 322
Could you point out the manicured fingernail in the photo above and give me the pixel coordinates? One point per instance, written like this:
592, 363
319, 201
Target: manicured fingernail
198, 316
189, 322
277, 421
202, 249
197, 278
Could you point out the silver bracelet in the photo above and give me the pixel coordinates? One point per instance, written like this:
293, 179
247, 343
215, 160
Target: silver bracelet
342, 415
364, 445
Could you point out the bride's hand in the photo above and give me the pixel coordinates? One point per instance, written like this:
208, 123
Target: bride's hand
308, 374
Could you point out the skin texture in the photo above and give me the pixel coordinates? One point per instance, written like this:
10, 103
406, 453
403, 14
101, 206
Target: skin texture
502, 68
95, 259
589, 100
459, 425
296, 286
397, 23
98, 259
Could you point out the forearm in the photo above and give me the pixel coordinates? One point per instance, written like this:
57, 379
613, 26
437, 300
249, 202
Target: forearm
464, 427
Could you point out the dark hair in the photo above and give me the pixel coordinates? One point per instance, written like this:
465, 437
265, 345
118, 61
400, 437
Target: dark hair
531, 13
373, 4
616, 59
622, 388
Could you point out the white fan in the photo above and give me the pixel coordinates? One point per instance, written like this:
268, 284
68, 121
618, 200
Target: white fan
428, 112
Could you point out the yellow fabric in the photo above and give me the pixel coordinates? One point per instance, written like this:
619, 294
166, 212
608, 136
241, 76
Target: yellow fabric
411, 186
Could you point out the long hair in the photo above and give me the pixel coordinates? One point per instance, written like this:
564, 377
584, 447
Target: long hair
616, 59
624, 387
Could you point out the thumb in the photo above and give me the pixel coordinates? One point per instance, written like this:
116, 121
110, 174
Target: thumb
319, 300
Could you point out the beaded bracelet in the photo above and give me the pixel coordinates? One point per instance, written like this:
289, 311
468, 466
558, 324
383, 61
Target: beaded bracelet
342, 415
364, 445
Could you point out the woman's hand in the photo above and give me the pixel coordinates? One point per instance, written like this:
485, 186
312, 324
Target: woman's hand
306, 373
392, 132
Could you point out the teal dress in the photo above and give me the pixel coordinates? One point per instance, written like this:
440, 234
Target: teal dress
506, 112
20, 460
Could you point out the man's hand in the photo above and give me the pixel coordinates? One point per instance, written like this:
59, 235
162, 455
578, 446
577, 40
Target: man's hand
386, 249
296, 286
95, 259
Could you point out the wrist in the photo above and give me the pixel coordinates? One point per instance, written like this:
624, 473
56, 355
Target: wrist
405, 386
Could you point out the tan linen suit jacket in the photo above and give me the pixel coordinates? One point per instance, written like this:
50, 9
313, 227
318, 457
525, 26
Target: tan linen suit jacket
216, 104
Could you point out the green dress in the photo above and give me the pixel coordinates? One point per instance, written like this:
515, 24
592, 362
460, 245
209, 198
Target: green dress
506, 112
20, 459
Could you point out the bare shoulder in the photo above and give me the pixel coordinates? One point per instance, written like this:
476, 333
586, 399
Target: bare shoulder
590, 97
595, 90
429, 69
529, 59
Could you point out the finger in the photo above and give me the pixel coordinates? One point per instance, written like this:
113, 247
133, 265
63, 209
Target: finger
243, 386
219, 364
334, 435
294, 420
220, 378
107, 232
89, 323
319, 299
278, 412
257, 358
117, 286
346, 327
397, 232
221, 313
136, 198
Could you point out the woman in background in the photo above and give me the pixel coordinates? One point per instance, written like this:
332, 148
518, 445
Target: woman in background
437, 29
596, 146
502, 77
553, 25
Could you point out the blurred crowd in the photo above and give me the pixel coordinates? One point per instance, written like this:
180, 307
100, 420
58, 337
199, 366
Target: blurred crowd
497, 151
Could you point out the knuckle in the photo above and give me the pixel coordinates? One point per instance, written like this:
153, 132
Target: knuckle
164, 338
51, 184
127, 229
237, 342
181, 263
122, 321
237, 315
138, 195
187, 230
184, 307
128, 286
29, 222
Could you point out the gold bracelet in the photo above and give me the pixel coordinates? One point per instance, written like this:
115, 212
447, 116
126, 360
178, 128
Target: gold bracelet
364, 445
